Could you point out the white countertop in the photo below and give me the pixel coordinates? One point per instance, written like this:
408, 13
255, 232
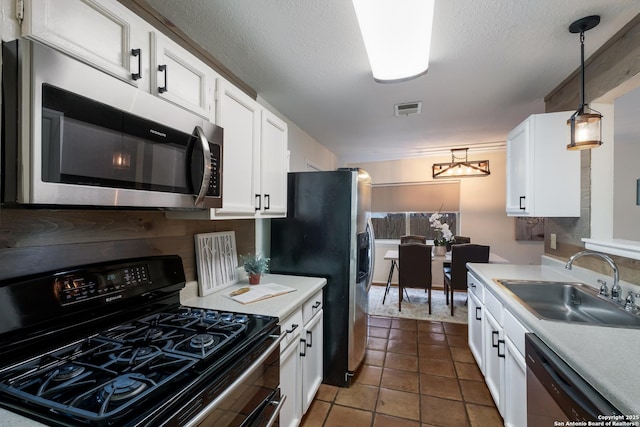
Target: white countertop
280, 306
606, 357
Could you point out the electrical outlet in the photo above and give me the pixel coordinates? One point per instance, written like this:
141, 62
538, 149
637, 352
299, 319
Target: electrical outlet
553, 242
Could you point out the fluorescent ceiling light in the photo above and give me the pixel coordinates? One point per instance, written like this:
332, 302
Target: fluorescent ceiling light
397, 36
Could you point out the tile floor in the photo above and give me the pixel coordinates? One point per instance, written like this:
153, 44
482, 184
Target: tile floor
416, 374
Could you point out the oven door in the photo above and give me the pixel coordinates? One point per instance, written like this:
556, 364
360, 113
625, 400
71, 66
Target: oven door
248, 395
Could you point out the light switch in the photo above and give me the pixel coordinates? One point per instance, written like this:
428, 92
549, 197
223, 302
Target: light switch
552, 241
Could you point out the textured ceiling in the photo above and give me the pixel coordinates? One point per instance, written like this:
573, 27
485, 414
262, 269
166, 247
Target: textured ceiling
492, 63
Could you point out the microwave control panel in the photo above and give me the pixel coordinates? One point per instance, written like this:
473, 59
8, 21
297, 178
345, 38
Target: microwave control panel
73, 288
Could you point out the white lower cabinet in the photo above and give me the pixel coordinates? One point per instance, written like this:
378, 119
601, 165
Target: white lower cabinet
496, 340
301, 359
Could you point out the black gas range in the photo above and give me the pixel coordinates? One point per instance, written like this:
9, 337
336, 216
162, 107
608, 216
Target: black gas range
109, 344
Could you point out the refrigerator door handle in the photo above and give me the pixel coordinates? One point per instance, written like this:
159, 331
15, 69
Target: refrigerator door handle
372, 252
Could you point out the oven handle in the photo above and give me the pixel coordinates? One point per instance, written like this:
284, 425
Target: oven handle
237, 383
276, 412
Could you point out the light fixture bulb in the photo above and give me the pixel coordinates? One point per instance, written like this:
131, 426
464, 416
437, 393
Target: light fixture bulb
397, 37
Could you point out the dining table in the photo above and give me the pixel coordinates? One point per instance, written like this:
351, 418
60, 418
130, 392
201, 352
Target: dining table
392, 255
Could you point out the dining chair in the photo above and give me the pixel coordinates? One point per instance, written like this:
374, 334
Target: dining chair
414, 269
413, 238
456, 276
457, 240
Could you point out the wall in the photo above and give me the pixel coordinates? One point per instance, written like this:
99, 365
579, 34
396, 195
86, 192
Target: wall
482, 204
38, 240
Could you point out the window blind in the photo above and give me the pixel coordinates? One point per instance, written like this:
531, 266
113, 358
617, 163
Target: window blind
423, 197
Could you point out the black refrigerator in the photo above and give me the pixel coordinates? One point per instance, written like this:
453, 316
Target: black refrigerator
328, 233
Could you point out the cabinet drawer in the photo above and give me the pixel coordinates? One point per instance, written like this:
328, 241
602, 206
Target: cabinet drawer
291, 327
514, 330
311, 307
494, 306
475, 286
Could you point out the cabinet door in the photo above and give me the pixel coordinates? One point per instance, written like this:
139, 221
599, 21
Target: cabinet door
515, 379
518, 174
494, 359
311, 352
290, 385
180, 77
274, 165
239, 116
476, 334
102, 33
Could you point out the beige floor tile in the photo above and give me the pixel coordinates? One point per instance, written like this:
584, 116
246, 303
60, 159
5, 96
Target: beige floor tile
359, 396
404, 347
443, 412
468, 371
340, 416
476, 392
400, 380
440, 367
484, 416
447, 388
405, 362
327, 392
369, 375
382, 420
316, 415
399, 404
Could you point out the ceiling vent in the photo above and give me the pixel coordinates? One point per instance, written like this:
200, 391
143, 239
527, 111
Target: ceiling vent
408, 108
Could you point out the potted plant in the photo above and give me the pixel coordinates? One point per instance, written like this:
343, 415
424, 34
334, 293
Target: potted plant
255, 266
444, 236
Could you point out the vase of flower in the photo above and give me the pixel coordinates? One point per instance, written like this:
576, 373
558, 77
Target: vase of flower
255, 266
440, 250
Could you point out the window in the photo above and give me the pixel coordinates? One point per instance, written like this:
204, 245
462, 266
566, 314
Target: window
392, 225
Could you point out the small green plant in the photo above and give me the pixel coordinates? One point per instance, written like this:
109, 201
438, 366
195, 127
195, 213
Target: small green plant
255, 264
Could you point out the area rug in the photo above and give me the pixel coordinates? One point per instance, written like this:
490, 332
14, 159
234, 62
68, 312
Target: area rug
418, 308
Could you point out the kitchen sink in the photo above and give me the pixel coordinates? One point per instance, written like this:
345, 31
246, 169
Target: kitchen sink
571, 302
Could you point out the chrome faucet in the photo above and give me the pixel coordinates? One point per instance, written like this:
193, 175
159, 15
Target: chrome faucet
616, 290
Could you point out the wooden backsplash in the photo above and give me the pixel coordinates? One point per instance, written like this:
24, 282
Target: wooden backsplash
38, 240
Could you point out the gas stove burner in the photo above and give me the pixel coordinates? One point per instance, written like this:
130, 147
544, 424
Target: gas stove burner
154, 332
66, 372
226, 317
241, 318
211, 315
124, 387
203, 341
135, 355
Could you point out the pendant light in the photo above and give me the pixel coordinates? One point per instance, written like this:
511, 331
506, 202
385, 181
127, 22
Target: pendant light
460, 166
585, 123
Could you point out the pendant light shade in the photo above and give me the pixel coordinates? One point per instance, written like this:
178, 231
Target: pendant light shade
585, 123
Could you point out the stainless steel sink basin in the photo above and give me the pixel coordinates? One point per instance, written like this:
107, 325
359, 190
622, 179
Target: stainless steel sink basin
569, 302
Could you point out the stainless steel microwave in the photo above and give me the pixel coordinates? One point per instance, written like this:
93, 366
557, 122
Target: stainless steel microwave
73, 135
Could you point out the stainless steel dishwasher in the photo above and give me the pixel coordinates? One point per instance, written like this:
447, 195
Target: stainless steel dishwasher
556, 393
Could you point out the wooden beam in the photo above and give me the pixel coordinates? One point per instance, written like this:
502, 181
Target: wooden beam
168, 28
616, 62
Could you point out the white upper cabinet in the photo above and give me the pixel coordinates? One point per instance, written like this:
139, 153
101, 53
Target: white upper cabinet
543, 177
104, 34
180, 77
239, 116
274, 165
